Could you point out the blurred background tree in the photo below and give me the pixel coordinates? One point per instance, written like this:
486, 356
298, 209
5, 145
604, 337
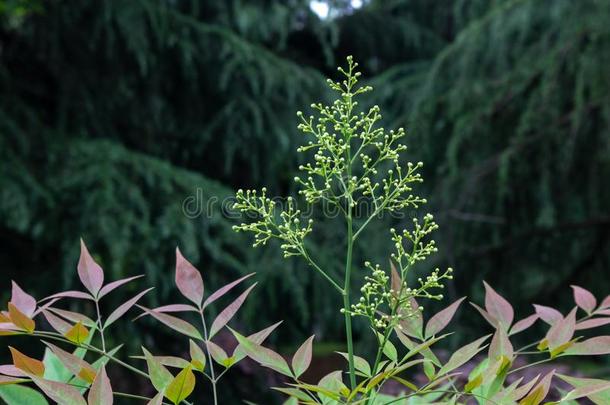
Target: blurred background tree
114, 113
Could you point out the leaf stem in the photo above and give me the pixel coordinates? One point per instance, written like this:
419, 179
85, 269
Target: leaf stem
213, 379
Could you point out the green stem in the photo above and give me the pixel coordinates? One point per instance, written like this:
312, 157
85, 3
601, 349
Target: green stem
213, 377
100, 325
346, 301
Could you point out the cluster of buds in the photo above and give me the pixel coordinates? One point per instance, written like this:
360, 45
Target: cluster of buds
267, 224
410, 245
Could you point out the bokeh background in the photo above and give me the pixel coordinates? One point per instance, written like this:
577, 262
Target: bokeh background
114, 113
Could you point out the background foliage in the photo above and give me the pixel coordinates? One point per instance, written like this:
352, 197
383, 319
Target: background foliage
112, 113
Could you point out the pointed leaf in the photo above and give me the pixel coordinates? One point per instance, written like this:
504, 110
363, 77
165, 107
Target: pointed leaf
56, 322
524, 389
61, 393
78, 334
498, 307
188, 279
218, 353
20, 320
412, 324
174, 323
160, 377
89, 272
584, 299
23, 301
11, 370
523, 324
441, 319
108, 288
171, 308
462, 355
225, 289
101, 390
539, 392
70, 294
562, 331
491, 320
26, 364
302, 358
258, 338
73, 316
197, 356
592, 323
19, 394
596, 346
76, 365
548, 314
500, 346
360, 364
396, 281
225, 316
181, 386
605, 303
123, 308
262, 355
157, 400
601, 397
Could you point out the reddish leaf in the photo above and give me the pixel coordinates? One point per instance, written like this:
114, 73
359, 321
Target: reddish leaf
396, 281
27, 364
605, 303
223, 290
592, 323
493, 322
56, 322
116, 284
258, 338
74, 317
413, 324
23, 301
584, 299
524, 389
218, 353
174, 323
539, 392
523, 324
89, 272
441, 319
603, 312
548, 314
562, 331
71, 294
120, 311
75, 364
225, 316
263, 356
591, 347
5, 380
101, 390
188, 279
59, 392
302, 358
500, 346
171, 308
498, 307
20, 320
11, 370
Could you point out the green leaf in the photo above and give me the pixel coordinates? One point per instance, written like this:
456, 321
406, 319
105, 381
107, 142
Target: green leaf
181, 386
197, 356
160, 377
360, 364
600, 396
19, 395
174, 323
302, 358
388, 348
462, 355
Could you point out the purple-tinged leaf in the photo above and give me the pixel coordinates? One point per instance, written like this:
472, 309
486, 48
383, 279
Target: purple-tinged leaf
490, 319
174, 323
548, 314
396, 281
89, 272
539, 392
171, 308
258, 338
605, 303
70, 294
11, 370
75, 364
45, 306
500, 346
523, 324
169, 361
584, 299
123, 308
160, 377
561, 332
302, 358
498, 307
74, 316
462, 355
22, 300
188, 279
5, 380
601, 397
108, 288
223, 290
225, 316
441, 319
56, 322
263, 356
218, 353
198, 359
592, 323
101, 390
524, 389
603, 312
413, 324
591, 389
61, 393
596, 346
